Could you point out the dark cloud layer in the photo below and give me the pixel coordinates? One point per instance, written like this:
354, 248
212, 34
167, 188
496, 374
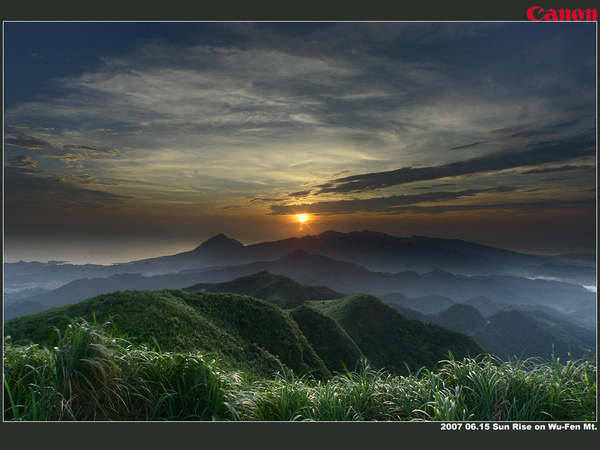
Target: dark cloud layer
392, 204
22, 161
535, 154
396, 205
27, 190
524, 207
25, 140
568, 168
85, 148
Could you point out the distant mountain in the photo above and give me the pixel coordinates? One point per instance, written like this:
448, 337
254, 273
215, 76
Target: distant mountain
581, 259
459, 317
217, 250
430, 304
392, 341
10, 298
512, 333
217, 245
85, 288
27, 275
473, 249
574, 267
277, 289
585, 275
373, 250
483, 305
381, 252
340, 276
352, 278
298, 265
376, 251
574, 301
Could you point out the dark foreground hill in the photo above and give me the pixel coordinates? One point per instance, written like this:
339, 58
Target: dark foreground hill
245, 333
392, 341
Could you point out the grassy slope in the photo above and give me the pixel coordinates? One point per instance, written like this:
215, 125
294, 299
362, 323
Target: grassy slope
329, 340
390, 340
246, 333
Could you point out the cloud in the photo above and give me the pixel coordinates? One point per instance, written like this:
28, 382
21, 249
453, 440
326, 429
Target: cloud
524, 207
462, 147
75, 152
21, 161
340, 173
24, 140
93, 150
69, 159
26, 194
393, 205
267, 106
299, 194
387, 205
81, 179
567, 168
534, 154
83, 152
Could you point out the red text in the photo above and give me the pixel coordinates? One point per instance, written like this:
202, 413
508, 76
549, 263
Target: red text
537, 13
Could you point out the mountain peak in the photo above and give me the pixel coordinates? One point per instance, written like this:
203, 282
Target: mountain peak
437, 272
220, 242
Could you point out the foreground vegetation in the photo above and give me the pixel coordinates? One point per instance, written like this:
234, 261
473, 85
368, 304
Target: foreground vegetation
90, 373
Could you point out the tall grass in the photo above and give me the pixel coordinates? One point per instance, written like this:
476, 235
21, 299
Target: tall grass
91, 374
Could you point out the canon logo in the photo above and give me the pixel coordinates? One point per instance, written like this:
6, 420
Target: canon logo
537, 13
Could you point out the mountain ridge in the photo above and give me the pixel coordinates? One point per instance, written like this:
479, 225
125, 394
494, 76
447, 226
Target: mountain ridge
375, 251
349, 278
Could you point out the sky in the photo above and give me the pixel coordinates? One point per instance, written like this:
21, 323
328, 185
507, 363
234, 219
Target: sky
127, 140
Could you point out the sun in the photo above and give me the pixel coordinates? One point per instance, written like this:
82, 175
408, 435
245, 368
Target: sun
302, 217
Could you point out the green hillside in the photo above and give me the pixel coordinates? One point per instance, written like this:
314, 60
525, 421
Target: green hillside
329, 340
277, 289
392, 341
244, 332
